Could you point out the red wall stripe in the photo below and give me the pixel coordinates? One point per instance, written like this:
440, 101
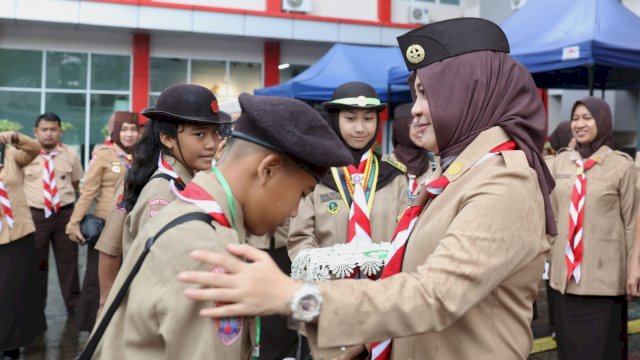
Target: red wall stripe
141, 65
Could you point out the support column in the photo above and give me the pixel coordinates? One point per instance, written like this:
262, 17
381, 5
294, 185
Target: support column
141, 66
384, 11
271, 62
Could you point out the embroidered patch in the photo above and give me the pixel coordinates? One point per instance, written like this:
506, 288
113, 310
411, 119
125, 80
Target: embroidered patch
330, 196
229, 328
155, 205
120, 203
333, 208
563, 176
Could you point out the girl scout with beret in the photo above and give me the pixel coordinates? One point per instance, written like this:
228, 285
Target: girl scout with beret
595, 200
254, 188
375, 187
466, 258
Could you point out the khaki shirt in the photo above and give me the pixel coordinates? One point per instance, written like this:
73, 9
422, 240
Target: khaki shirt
156, 320
420, 178
608, 228
105, 170
67, 169
323, 217
470, 272
155, 195
16, 157
110, 240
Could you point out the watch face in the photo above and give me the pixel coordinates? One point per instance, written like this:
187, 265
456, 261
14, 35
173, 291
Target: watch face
308, 303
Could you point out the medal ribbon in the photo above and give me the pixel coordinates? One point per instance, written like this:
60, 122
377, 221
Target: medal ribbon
381, 350
573, 251
49, 186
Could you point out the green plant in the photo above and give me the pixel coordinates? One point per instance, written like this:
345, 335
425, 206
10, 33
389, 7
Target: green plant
105, 130
8, 125
67, 126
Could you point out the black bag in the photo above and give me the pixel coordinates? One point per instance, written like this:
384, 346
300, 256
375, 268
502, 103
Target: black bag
91, 226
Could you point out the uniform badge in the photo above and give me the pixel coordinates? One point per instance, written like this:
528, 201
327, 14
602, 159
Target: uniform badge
229, 328
455, 168
116, 169
362, 101
214, 106
415, 54
155, 205
333, 208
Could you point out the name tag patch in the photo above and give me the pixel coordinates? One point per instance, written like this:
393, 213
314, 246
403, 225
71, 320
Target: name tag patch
330, 196
155, 205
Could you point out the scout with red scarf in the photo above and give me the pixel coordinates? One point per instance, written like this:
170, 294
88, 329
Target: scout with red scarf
476, 251
257, 184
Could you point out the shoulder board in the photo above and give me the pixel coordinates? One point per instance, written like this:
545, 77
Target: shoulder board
395, 163
623, 154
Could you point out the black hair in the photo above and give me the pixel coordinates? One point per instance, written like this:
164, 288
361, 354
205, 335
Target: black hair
48, 116
145, 159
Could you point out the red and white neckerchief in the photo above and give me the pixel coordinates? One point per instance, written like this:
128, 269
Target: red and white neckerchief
381, 350
359, 226
50, 188
573, 251
413, 185
166, 168
6, 206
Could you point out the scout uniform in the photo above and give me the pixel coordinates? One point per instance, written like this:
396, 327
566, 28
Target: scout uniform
110, 241
107, 168
21, 315
595, 201
67, 170
465, 263
324, 216
156, 319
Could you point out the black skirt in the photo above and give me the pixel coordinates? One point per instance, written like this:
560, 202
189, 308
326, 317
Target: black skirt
21, 315
590, 327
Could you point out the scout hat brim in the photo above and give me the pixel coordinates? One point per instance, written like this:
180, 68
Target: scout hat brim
358, 103
152, 113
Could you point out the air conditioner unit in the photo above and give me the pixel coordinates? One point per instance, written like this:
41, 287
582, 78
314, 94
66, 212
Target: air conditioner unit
517, 4
300, 6
418, 14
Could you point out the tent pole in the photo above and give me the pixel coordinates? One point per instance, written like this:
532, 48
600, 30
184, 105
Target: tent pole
592, 72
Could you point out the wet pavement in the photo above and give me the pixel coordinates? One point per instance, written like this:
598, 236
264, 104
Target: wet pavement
62, 341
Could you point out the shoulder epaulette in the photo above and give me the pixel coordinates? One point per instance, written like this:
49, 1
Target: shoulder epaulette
623, 154
395, 163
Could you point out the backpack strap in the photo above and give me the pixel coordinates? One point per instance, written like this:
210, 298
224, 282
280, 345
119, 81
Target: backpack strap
168, 177
88, 351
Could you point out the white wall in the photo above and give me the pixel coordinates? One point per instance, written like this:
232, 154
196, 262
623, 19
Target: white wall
349, 9
437, 12
302, 53
207, 47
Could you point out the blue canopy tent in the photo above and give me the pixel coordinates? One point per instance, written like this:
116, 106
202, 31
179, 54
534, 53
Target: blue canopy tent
341, 64
577, 44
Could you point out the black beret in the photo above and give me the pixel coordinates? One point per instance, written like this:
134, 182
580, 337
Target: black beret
293, 128
444, 39
188, 103
354, 95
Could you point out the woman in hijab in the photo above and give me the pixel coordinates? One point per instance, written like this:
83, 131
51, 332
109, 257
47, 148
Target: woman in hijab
466, 258
107, 167
595, 203
408, 150
370, 193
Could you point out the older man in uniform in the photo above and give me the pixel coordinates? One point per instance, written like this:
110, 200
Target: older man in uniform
50, 184
279, 149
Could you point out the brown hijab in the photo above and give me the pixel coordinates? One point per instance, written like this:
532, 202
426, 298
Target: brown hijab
601, 113
561, 136
415, 158
119, 118
473, 92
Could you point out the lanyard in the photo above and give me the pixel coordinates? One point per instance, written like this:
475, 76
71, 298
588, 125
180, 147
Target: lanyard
228, 194
232, 209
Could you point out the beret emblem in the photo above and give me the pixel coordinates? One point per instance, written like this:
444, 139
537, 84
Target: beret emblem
415, 53
214, 106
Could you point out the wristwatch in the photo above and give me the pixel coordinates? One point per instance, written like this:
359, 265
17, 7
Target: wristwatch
306, 303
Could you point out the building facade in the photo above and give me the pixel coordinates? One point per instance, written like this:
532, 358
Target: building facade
84, 59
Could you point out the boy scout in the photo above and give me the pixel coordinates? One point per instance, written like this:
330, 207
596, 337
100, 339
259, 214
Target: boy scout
50, 184
466, 259
264, 172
